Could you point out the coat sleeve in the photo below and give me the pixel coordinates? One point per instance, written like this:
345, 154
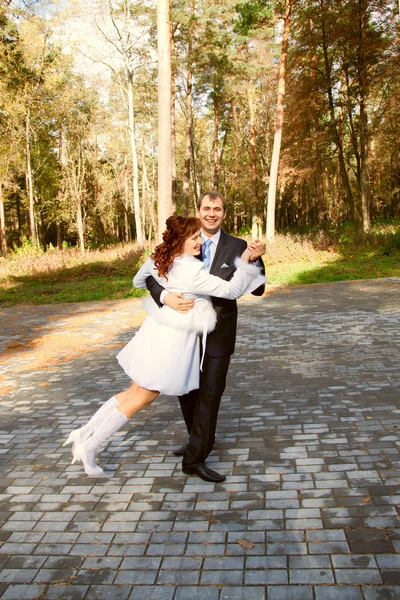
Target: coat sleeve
247, 278
145, 271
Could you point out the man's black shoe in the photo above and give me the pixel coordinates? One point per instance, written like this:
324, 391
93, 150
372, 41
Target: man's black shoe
202, 471
180, 451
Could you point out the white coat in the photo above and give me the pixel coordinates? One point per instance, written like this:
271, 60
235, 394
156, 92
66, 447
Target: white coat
164, 355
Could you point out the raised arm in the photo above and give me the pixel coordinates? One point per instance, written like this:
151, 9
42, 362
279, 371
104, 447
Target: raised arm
247, 278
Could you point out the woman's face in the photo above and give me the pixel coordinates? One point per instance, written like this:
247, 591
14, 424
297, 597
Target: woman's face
192, 245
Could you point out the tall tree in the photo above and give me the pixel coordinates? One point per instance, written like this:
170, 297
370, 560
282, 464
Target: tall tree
164, 115
273, 173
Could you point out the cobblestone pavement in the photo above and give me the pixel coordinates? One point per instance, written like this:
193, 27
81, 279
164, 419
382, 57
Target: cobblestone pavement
308, 437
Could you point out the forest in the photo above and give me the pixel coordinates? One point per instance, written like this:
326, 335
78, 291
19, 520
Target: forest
290, 108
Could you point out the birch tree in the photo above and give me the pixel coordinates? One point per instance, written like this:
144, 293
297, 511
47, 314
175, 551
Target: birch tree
276, 149
164, 115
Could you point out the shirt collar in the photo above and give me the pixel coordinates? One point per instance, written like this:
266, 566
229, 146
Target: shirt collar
214, 238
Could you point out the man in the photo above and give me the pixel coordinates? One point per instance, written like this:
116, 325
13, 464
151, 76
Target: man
200, 407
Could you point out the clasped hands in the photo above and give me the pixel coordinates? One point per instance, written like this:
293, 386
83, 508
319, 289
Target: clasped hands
257, 248
179, 303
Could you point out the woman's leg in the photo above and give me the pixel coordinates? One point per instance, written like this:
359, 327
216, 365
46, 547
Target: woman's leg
129, 403
77, 436
135, 399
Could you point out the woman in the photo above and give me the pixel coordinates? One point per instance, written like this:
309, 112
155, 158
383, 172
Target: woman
164, 356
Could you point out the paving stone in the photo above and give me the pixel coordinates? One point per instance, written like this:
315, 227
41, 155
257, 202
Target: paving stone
23, 592
136, 577
381, 592
290, 593
243, 593
266, 577
17, 575
178, 577
109, 592
196, 593
62, 592
152, 593
311, 576
358, 576
338, 593
307, 435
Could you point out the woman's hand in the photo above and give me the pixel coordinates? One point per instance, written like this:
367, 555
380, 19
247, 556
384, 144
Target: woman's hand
246, 255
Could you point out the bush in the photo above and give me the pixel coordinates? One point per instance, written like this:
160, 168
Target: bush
393, 244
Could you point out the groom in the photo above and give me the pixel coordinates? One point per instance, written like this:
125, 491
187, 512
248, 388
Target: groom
200, 407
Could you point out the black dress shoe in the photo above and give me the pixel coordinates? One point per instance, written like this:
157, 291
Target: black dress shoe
180, 451
202, 471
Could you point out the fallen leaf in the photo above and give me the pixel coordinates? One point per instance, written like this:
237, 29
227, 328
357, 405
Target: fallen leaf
246, 544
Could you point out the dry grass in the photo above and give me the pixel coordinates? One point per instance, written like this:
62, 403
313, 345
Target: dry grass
288, 248
33, 261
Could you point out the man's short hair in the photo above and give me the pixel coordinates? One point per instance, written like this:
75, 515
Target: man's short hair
212, 196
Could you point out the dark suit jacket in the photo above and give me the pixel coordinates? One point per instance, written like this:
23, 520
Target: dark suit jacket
221, 341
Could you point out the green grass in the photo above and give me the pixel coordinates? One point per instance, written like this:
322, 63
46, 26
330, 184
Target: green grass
38, 291
51, 278
342, 268
33, 277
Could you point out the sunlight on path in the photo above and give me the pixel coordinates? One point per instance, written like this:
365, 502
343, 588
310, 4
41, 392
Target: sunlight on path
38, 337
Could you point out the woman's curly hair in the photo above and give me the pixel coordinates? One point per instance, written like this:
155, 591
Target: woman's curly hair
179, 229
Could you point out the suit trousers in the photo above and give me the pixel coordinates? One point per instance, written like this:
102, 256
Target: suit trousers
201, 413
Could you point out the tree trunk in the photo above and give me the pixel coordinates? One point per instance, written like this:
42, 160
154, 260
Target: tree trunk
173, 132
29, 179
273, 175
79, 223
364, 150
127, 201
216, 153
235, 169
188, 145
333, 123
135, 169
164, 116
3, 237
254, 222
59, 235
196, 186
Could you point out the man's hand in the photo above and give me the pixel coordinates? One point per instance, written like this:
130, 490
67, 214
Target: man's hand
257, 249
178, 302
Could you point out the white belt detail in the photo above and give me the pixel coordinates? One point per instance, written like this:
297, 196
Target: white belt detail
203, 341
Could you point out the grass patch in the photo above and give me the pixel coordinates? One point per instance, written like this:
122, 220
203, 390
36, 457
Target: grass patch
30, 276
33, 277
327, 269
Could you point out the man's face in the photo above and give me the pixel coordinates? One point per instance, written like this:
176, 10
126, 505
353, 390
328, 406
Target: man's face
211, 214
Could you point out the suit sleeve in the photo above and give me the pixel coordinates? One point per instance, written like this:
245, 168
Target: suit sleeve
260, 290
155, 290
260, 263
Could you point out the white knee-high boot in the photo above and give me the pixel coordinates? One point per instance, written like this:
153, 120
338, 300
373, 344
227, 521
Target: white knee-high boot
86, 452
77, 436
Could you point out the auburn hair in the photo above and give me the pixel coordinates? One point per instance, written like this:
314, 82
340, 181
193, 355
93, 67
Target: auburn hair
179, 229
